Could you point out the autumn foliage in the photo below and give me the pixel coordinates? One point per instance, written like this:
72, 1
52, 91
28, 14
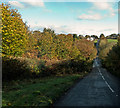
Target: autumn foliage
14, 32
43, 53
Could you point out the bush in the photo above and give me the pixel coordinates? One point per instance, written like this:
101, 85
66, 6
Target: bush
68, 67
112, 61
20, 68
37, 66
13, 69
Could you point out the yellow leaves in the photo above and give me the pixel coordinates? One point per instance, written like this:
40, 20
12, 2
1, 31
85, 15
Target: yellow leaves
8, 40
6, 34
5, 7
2, 18
12, 31
4, 26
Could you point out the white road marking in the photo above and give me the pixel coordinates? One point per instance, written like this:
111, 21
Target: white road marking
106, 82
103, 77
109, 87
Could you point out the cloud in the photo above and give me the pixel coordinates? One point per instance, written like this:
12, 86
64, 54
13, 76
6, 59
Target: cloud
34, 2
23, 3
83, 29
105, 6
16, 4
90, 17
102, 6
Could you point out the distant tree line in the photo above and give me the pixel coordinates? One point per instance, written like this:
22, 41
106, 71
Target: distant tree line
113, 36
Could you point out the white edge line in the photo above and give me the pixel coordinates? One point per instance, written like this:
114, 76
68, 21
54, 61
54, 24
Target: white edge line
106, 82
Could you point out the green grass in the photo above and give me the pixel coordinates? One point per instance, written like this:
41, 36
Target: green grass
37, 92
112, 40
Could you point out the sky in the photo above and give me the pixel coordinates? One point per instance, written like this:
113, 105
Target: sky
83, 17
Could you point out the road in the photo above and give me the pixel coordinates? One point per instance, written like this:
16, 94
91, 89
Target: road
99, 88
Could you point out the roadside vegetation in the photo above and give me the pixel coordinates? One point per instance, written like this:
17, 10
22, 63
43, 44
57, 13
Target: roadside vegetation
37, 67
110, 54
37, 92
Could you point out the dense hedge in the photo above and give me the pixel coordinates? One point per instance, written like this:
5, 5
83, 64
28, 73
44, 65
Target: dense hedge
13, 69
17, 68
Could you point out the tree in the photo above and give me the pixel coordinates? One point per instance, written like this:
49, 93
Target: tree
48, 30
37, 32
102, 36
74, 36
46, 45
14, 32
86, 48
103, 41
87, 36
94, 36
63, 45
81, 37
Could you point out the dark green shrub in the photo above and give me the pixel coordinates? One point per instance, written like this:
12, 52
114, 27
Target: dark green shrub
13, 69
112, 61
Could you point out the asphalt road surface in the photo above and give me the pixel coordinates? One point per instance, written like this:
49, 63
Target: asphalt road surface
99, 88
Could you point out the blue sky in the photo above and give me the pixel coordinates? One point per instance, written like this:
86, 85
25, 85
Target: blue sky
84, 18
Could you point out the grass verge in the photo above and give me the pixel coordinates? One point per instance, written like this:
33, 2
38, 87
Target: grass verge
112, 40
37, 92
